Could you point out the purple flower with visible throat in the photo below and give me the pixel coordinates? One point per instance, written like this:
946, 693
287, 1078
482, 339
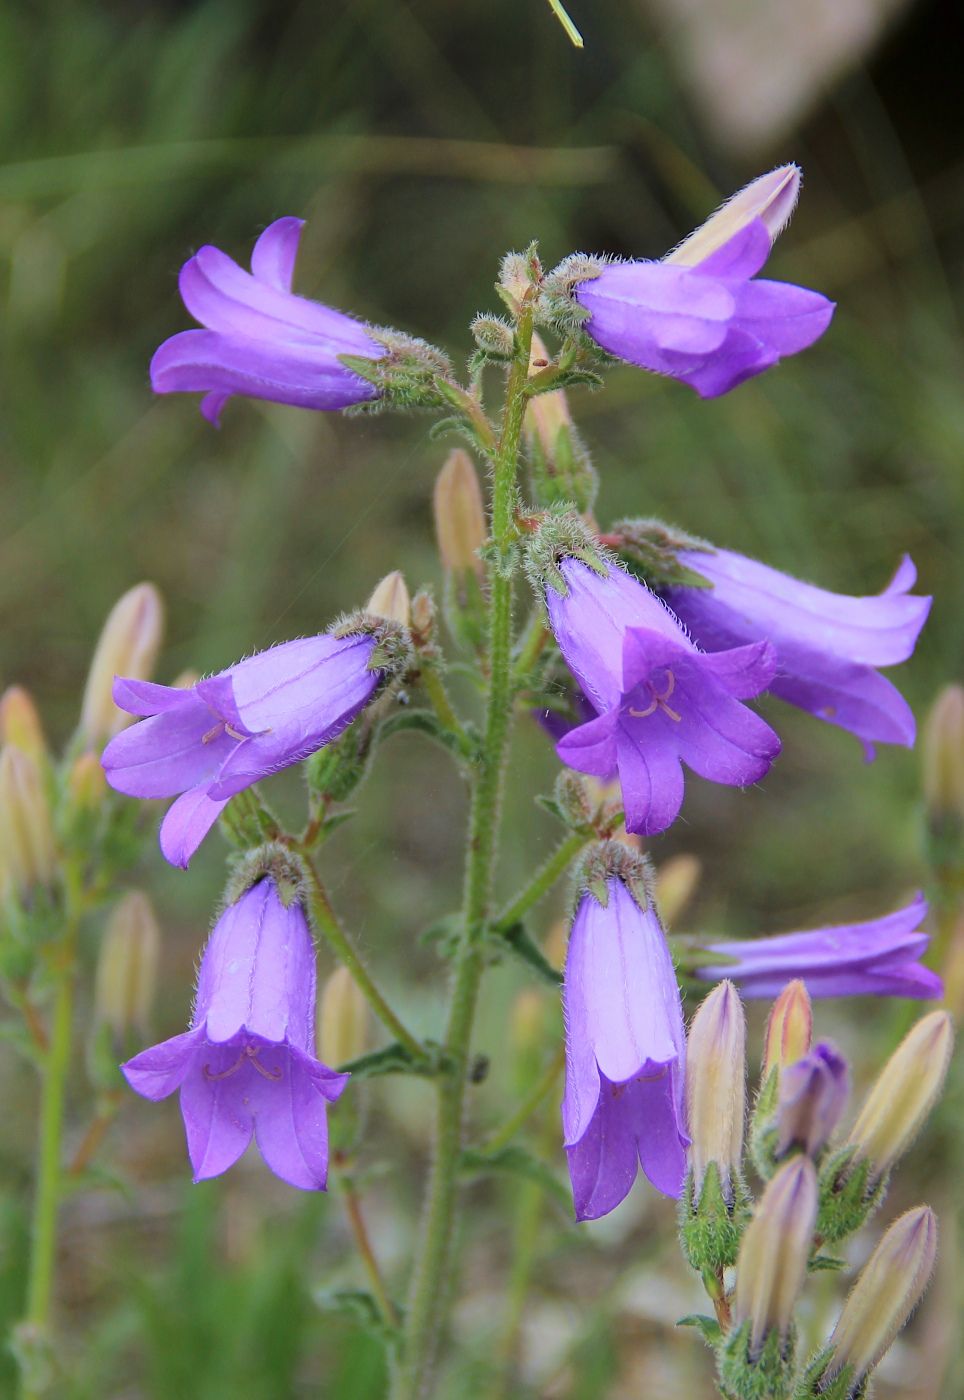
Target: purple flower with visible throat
827, 644
877, 958
228, 731
698, 316
660, 699
625, 1048
248, 1063
261, 339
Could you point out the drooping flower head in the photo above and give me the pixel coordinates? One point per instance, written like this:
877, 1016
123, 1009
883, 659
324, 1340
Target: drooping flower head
877, 958
228, 731
699, 315
828, 645
625, 1042
660, 700
248, 1064
261, 339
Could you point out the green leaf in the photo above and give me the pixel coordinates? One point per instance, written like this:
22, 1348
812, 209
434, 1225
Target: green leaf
525, 947
550, 805
445, 932
16, 1036
427, 722
710, 1328
515, 1161
362, 1306
396, 1059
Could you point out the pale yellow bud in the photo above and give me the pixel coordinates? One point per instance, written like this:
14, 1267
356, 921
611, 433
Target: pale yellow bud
27, 851
772, 1262
187, 679
20, 723
771, 198
459, 516
557, 944
716, 1087
86, 781
886, 1293
789, 1029
342, 1020
390, 599
942, 751
546, 414
908, 1087
676, 882
128, 646
127, 966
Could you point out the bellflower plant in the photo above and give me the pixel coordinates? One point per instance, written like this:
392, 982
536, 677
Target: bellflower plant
625, 1043
224, 733
880, 957
658, 660
660, 699
260, 338
827, 645
247, 1065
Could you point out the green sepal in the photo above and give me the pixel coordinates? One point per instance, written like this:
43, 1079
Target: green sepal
550, 805
515, 1161
466, 746
767, 1377
517, 938
334, 772
812, 1385
826, 1263
445, 933
648, 550
711, 1229
397, 1059
708, 1326
847, 1200
247, 822
465, 429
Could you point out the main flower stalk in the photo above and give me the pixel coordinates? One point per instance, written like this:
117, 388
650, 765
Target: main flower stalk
424, 1312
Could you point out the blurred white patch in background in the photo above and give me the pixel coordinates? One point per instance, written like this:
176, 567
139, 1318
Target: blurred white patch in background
755, 68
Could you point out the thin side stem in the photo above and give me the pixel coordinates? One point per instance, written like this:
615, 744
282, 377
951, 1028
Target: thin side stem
436, 692
555, 866
364, 1246
327, 921
44, 1233
430, 1276
517, 1120
531, 646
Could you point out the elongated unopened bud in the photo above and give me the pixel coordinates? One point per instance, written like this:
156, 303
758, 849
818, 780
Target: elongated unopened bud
86, 782
27, 851
342, 1020
884, 1296
772, 1263
561, 467
716, 1087
128, 646
676, 882
813, 1095
127, 966
942, 751
908, 1087
459, 516
770, 197
20, 723
390, 599
789, 1028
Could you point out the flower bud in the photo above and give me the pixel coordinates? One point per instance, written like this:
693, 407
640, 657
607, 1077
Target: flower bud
27, 852
127, 966
772, 1262
342, 1020
904, 1094
716, 1087
86, 782
813, 1095
390, 599
423, 619
20, 723
771, 198
789, 1028
459, 516
676, 882
128, 646
884, 1296
558, 458
942, 751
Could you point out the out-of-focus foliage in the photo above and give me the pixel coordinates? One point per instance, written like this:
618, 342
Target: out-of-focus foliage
130, 133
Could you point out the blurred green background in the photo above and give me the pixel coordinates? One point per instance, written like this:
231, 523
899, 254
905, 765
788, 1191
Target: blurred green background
131, 133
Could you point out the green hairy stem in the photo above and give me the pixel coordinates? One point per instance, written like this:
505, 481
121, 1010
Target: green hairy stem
429, 1280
